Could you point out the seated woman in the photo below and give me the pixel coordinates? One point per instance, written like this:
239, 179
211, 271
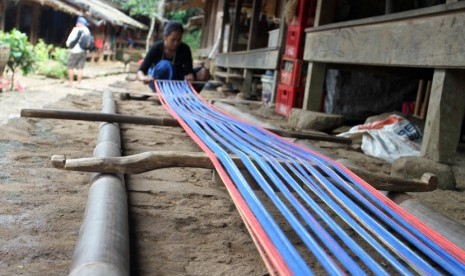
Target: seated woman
170, 59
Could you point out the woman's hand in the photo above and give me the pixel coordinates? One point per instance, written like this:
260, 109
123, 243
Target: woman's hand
144, 78
189, 77
147, 79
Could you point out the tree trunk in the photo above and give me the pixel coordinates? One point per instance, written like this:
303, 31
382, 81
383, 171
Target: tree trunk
149, 35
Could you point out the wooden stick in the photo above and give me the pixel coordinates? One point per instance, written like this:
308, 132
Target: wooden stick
97, 117
152, 160
235, 101
138, 163
424, 105
311, 136
419, 98
141, 120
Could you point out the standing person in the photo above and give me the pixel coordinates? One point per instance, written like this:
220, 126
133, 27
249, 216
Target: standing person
76, 55
170, 59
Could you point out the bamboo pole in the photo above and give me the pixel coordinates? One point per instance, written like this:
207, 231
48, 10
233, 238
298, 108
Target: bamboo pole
103, 244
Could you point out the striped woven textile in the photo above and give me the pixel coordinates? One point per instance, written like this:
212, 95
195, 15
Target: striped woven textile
309, 215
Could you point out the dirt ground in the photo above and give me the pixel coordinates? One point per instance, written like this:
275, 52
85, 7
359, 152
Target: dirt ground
182, 223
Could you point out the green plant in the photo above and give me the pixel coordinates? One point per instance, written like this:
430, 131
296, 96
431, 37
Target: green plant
51, 62
21, 53
42, 51
193, 40
52, 69
60, 55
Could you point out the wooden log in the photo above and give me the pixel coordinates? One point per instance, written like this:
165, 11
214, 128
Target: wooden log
142, 120
152, 160
97, 117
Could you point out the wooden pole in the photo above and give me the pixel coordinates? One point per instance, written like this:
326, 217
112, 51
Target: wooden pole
419, 100
103, 244
97, 117
141, 120
152, 160
424, 105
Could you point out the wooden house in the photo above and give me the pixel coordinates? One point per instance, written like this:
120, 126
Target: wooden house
407, 38
422, 40
52, 21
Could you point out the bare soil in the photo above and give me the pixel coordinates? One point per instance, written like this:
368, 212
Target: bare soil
182, 223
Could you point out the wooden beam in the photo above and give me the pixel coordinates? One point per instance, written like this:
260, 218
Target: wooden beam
403, 42
152, 160
266, 58
398, 16
445, 115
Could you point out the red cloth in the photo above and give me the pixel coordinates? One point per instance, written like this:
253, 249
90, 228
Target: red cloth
98, 43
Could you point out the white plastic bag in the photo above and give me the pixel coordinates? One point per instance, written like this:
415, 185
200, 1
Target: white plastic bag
388, 139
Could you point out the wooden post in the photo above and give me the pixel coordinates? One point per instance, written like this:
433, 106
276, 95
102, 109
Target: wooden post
34, 35
248, 73
18, 15
316, 71
2, 14
226, 20
314, 86
282, 29
252, 41
324, 12
445, 115
389, 7
235, 27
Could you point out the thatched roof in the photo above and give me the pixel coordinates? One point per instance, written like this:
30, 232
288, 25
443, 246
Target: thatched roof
59, 5
102, 11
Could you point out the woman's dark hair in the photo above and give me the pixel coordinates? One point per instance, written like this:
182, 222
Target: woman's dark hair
173, 26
